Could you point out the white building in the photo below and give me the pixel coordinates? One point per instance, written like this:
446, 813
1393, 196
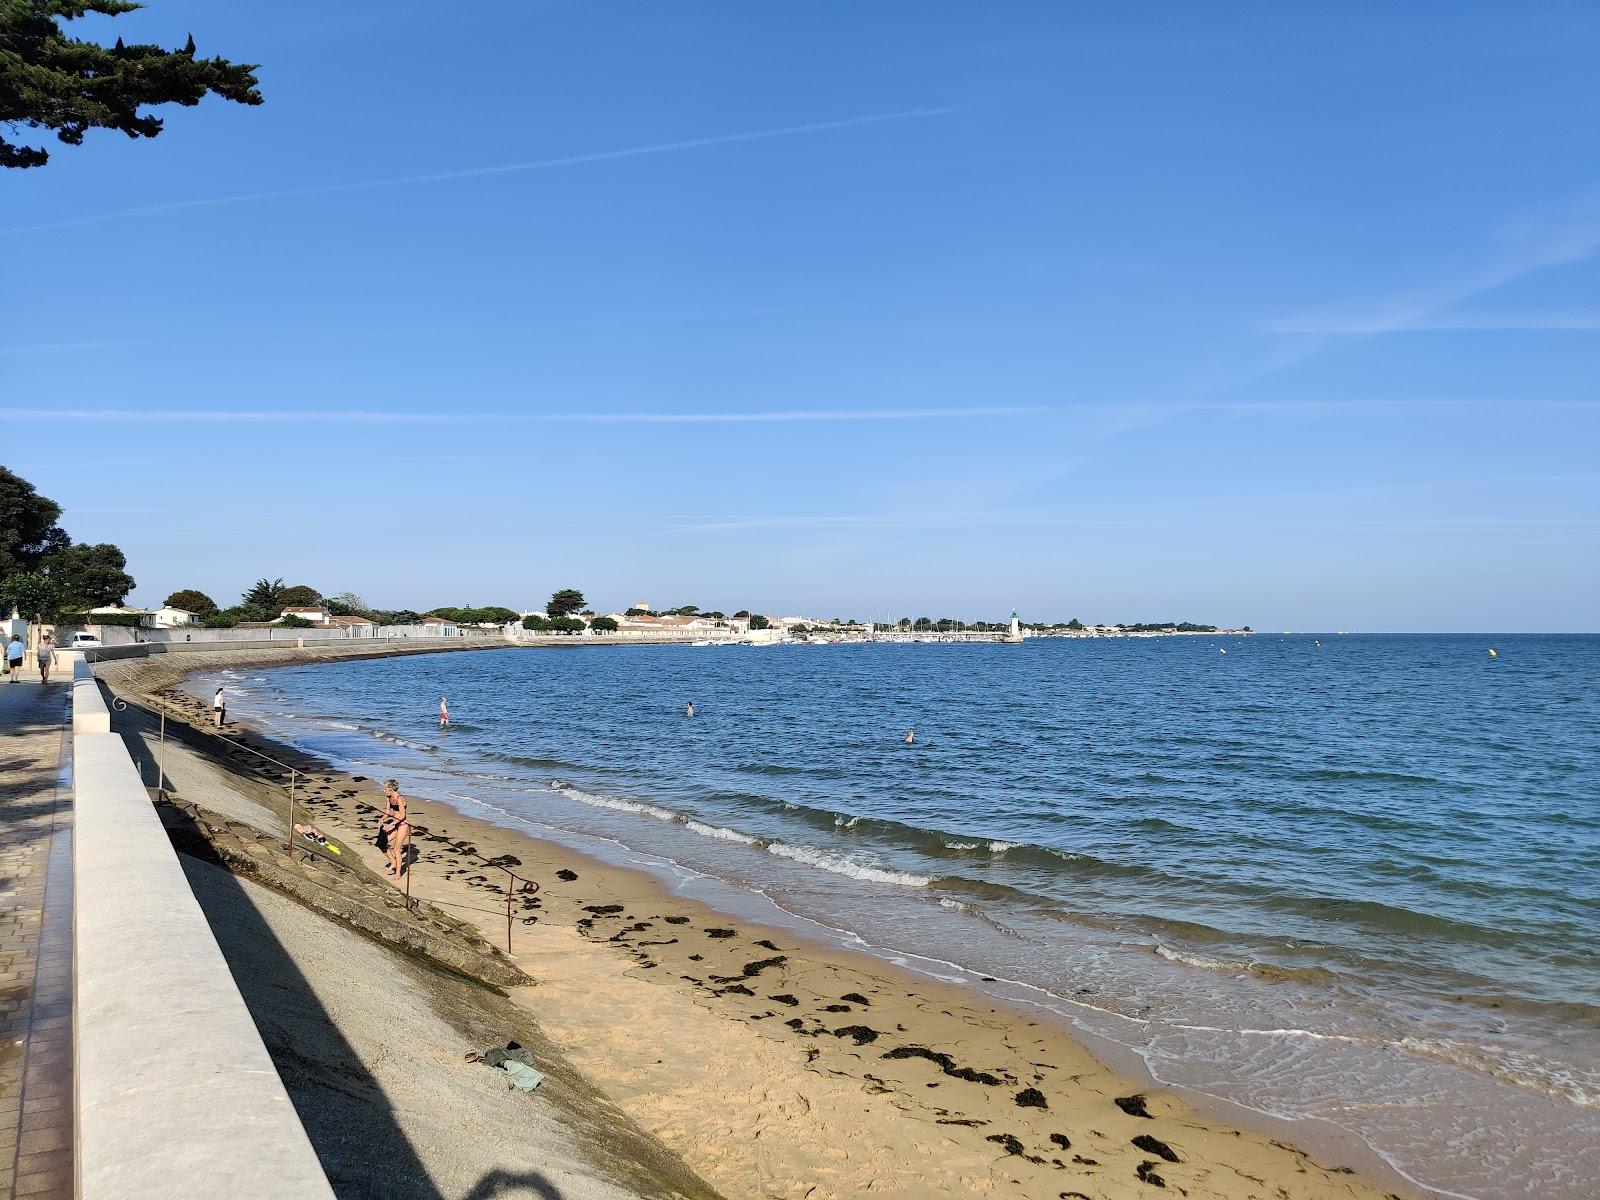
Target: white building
314, 613
655, 624
120, 610
168, 617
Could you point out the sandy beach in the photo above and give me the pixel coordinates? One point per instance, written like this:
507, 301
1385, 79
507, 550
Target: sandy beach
772, 1065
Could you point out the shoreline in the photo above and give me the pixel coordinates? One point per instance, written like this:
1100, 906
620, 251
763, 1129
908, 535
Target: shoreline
791, 1073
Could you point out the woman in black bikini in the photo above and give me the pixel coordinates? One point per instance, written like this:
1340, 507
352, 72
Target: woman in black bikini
395, 829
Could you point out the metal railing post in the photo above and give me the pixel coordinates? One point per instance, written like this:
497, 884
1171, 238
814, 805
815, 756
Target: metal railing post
293, 777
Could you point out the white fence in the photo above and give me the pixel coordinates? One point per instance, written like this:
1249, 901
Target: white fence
122, 635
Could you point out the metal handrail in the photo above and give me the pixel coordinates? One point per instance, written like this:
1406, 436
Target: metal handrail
530, 887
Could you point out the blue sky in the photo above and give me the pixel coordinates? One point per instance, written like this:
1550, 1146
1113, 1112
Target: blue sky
1234, 313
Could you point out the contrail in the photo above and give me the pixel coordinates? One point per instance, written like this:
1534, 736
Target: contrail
543, 164
127, 416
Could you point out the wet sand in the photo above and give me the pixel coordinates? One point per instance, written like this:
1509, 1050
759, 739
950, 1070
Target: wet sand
773, 1065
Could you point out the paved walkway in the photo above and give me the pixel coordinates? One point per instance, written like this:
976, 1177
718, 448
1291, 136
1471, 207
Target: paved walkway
35, 942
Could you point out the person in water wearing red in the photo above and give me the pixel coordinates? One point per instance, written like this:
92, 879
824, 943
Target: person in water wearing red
444, 713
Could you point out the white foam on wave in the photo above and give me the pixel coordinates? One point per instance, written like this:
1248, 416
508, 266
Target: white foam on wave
812, 857
1509, 1066
961, 845
1200, 960
722, 833
611, 802
1001, 847
809, 855
420, 747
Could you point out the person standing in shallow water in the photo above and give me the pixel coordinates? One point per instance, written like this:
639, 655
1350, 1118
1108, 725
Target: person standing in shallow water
444, 713
911, 737
689, 709
219, 708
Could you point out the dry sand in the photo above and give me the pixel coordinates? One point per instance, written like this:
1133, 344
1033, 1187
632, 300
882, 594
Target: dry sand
774, 1066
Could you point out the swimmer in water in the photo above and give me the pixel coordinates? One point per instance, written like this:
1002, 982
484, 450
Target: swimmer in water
911, 737
688, 710
444, 713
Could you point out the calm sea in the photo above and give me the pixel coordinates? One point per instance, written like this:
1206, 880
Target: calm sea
1348, 878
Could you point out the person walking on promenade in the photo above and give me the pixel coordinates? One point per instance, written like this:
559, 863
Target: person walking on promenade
219, 708
394, 829
14, 652
45, 657
444, 713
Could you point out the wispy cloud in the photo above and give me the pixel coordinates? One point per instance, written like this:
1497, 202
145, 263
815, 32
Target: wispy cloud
134, 416
66, 347
1469, 322
1165, 522
1559, 235
542, 164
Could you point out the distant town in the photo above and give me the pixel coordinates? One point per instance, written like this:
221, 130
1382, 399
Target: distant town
271, 605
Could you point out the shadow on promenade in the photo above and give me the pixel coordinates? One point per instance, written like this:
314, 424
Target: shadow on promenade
350, 1121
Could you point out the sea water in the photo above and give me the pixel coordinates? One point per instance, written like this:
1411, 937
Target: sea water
1343, 880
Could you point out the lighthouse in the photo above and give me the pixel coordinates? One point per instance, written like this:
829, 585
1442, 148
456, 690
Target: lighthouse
1013, 636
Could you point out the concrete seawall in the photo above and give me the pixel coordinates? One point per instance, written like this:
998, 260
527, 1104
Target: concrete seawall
176, 1095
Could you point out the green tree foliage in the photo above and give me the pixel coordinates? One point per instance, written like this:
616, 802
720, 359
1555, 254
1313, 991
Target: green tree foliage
226, 619
556, 624
31, 542
28, 530
742, 613
493, 614
125, 620
192, 600
757, 621
564, 603
264, 600
88, 576
31, 593
904, 622
293, 622
603, 625
68, 86
347, 604
1075, 625
300, 595
637, 612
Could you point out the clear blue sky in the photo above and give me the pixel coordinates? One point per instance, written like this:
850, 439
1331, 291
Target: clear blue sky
1287, 316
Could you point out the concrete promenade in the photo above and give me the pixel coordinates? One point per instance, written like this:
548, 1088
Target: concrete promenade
36, 1136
